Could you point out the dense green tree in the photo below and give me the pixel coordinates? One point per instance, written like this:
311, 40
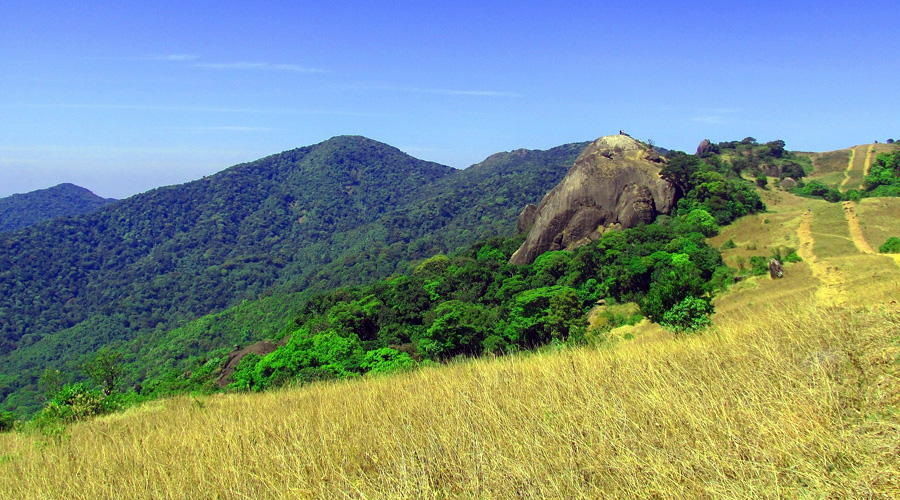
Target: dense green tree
680, 170
699, 220
458, 328
542, 314
674, 279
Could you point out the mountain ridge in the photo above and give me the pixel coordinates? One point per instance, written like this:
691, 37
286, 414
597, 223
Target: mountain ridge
346, 210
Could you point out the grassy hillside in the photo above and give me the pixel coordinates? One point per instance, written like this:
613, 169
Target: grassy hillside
22, 210
845, 168
793, 393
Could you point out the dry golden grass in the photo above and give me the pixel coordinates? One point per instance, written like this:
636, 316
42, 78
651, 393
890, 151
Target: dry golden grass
832, 233
796, 402
879, 219
785, 397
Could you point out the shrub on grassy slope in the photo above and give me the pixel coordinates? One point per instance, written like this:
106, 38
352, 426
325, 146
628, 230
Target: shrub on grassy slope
892, 245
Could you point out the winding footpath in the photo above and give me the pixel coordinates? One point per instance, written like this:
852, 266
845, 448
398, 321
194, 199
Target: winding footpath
849, 167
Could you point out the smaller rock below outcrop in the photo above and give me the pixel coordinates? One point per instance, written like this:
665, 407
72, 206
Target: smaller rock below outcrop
526, 218
261, 348
788, 183
776, 269
704, 147
771, 170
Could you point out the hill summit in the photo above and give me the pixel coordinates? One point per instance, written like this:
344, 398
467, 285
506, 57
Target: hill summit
23, 210
614, 183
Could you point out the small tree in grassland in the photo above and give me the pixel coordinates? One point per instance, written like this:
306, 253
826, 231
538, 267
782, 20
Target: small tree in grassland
105, 369
50, 382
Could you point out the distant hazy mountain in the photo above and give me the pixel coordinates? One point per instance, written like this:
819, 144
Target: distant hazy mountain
23, 210
345, 211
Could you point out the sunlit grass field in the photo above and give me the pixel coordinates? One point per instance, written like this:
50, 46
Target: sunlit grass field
792, 394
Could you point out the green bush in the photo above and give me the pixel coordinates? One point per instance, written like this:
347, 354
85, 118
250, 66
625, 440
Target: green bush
759, 265
892, 245
819, 190
387, 360
792, 257
786, 254
7, 421
689, 315
75, 402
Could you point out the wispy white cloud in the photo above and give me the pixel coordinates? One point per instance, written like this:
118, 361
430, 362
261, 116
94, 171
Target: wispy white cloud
145, 107
420, 150
260, 66
711, 119
715, 116
439, 91
222, 129
174, 57
153, 57
193, 109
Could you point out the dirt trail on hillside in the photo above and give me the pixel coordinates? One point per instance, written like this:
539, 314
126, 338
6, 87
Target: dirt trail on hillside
868, 164
856, 234
831, 289
849, 166
859, 239
857, 166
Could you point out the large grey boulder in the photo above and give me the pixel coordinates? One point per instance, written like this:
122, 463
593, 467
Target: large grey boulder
614, 183
787, 183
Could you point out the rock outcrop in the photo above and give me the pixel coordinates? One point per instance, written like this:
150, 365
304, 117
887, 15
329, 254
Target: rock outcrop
526, 218
614, 183
704, 147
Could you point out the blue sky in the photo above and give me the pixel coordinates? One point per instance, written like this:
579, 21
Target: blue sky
121, 97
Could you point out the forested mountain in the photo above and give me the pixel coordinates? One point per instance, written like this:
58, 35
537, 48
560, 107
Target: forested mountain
23, 210
347, 210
